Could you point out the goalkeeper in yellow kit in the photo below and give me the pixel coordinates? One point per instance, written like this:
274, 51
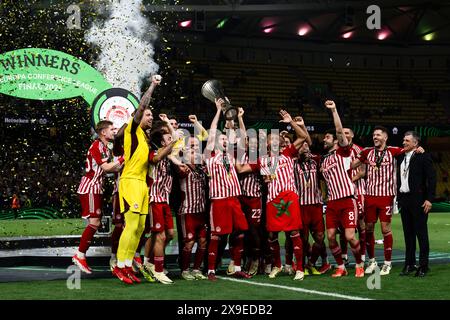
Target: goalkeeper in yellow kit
133, 190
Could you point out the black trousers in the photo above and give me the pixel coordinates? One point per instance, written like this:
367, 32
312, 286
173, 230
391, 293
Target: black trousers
414, 222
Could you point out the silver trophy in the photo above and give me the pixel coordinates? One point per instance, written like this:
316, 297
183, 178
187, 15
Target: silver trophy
212, 90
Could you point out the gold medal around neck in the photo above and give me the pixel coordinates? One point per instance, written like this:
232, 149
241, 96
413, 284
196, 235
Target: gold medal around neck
273, 177
375, 168
308, 184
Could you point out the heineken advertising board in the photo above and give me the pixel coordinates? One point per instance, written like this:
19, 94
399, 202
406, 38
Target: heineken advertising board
45, 74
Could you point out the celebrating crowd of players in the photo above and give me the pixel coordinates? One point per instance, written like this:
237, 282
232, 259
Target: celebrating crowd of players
255, 187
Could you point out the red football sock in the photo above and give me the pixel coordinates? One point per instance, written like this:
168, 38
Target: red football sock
199, 256
238, 249
159, 263
298, 250
86, 237
388, 242
356, 250
185, 258
212, 253
115, 238
275, 250
362, 241
370, 241
344, 244
337, 254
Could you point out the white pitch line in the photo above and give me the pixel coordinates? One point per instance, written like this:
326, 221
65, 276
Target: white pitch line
26, 268
330, 294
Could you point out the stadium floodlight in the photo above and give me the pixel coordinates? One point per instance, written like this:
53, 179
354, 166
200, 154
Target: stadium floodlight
347, 35
428, 37
185, 24
303, 31
383, 35
221, 23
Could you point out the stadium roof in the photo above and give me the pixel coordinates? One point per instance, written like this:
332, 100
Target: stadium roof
403, 23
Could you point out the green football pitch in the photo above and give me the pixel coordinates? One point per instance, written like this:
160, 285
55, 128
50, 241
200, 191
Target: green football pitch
434, 286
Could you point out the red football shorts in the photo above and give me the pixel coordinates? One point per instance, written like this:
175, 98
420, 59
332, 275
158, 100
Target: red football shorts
342, 213
283, 213
118, 217
312, 218
161, 217
251, 206
91, 205
378, 207
193, 225
226, 216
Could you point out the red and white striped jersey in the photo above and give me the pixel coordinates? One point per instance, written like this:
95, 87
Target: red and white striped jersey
281, 169
360, 184
193, 186
307, 180
160, 179
92, 181
381, 170
334, 167
250, 182
223, 179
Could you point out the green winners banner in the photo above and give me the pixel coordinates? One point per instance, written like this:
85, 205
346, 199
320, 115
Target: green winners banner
45, 74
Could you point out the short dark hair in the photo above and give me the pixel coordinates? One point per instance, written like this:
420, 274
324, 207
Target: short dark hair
351, 130
157, 133
288, 136
414, 134
103, 124
383, 129
332, 132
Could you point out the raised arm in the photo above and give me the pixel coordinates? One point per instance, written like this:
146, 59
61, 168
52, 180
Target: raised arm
298, 131
164, 118
212, 130
174, 149
301, 123
146, 98
343, 142
242, 130
203, 134
163, 152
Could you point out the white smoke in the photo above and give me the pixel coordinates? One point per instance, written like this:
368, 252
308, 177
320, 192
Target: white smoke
126, 43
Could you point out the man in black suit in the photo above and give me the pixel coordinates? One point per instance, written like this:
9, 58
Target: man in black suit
416, 189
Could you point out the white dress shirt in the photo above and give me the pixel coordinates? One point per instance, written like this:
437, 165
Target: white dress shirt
404, 172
